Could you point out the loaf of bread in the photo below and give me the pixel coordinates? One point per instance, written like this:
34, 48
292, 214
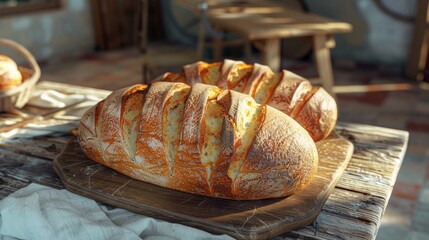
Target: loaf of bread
10, 76
201, 140
312, 107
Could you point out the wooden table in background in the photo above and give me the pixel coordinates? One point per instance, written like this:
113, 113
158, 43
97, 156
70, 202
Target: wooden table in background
265, 24
354, 209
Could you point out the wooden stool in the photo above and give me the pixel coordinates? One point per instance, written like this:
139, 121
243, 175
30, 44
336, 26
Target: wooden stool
265, 24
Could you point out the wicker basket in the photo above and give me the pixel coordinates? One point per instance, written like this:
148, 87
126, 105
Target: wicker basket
17, 97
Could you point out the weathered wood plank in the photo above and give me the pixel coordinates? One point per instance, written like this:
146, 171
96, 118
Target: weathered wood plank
352, 217
357, 205
17, 170
40, 146
9, 185
376, 160
333, 226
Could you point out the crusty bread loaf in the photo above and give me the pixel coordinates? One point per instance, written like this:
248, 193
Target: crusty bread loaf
10, 77
312, 107
201, 140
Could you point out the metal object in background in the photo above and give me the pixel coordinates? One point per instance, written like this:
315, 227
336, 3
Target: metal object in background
402, 10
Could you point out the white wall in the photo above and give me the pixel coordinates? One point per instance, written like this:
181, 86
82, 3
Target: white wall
53, 34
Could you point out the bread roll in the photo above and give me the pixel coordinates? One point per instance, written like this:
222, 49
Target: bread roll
200, 140
312, 107
10, 77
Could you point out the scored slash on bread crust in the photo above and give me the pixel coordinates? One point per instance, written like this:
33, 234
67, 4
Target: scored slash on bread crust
285, 91
189, 170
201, 140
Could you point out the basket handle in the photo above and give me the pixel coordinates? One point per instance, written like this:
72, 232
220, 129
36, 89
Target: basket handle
27, 55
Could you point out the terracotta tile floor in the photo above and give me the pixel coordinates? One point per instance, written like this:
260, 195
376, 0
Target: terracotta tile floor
407, 214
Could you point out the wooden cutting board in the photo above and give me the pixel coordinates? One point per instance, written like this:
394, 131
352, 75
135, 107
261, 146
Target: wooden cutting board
239, 219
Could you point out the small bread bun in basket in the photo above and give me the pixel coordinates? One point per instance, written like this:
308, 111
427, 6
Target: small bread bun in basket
16, 82
10, 76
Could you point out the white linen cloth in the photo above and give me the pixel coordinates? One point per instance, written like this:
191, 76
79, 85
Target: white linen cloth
51, 99
40, 212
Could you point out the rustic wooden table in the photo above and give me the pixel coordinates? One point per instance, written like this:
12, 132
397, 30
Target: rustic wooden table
354, 209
